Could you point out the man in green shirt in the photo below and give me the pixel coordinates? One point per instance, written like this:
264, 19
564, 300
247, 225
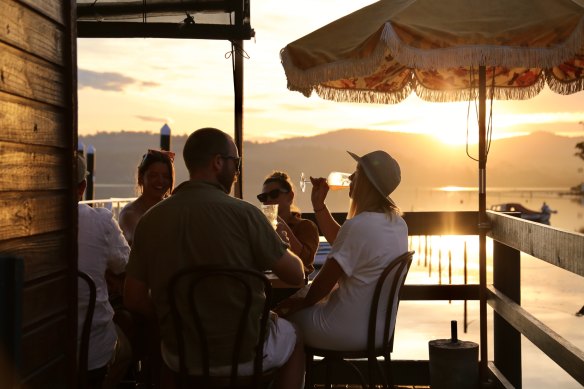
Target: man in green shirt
200, 224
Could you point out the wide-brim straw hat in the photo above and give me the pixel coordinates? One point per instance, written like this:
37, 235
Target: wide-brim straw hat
381, 169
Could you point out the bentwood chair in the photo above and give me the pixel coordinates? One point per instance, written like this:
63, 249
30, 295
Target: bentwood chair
385, 302
200, 299
83, 358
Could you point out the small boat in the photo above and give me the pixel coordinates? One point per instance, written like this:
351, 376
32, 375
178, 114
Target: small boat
542, 216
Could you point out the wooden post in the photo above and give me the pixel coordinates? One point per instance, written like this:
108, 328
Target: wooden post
90, 172
80, 148
165, 137
506, 339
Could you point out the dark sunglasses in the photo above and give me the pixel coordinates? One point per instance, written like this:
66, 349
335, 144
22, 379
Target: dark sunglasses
237, 160
273, 194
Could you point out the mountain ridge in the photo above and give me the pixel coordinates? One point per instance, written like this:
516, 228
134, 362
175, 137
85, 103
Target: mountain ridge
535, 160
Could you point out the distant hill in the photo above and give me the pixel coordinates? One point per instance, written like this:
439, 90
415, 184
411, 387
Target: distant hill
536, 160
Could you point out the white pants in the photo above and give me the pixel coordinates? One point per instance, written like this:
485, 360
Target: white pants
278, 347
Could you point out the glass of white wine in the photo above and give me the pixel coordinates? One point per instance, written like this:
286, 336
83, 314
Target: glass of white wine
335, 181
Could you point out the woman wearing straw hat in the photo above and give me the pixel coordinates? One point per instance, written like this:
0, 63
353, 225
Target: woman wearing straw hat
373, 235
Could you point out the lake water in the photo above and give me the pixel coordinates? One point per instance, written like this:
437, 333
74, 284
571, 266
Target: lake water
549, 293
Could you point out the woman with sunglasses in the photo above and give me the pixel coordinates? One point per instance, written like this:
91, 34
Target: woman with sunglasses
302, 234
155, 182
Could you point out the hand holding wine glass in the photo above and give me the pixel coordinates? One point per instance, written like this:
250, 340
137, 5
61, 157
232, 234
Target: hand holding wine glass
320, 189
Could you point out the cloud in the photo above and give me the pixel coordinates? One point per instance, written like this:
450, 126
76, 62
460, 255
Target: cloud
108, 81
152, 119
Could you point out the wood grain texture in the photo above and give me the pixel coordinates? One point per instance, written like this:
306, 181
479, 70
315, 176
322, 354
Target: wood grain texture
24, 75
44, 345
45, 300
27, 122
55, 372
28, 214
43, 254
54, 10
560, 248
566, 355
31, 168
31, 32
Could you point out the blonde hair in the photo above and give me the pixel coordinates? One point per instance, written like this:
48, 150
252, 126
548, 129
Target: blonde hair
367, 199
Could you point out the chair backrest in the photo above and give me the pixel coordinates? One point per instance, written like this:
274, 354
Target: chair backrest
389, 284
86, 331
205, 292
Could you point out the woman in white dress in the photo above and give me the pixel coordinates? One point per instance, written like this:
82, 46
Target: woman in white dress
334, 312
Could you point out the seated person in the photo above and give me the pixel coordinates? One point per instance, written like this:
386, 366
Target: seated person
200, 224
155, 182
301, 234
101, 247
372, 237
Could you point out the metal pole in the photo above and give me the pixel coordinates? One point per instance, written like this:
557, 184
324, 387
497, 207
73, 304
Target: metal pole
165, 137
483, 222
238, 110
90, 172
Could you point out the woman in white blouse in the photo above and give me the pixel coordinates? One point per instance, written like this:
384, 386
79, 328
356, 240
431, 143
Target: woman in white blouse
333, 314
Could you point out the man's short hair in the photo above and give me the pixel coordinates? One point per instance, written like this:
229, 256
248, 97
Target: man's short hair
202, 145
81, 168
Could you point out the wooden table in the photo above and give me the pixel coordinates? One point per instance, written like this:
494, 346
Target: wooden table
277, 283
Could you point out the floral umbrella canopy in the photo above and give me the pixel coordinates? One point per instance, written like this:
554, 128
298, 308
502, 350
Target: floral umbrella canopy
445, 50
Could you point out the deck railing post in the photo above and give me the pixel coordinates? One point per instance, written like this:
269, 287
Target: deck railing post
165, 137
506, 339
90, 172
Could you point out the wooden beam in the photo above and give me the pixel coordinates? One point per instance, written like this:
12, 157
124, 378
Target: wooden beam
560, 248
429, 223
153, 9
163, 30
440, 292
562, 352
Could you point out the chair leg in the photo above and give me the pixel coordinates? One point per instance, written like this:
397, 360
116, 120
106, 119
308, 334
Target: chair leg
308, 374
328, 373
388, 371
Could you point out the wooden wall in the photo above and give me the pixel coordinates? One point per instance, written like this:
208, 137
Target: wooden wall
38, 213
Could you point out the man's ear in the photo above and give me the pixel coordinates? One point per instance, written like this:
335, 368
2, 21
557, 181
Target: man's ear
81, 189
217, 163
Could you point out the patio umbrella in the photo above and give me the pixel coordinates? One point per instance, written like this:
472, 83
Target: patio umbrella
445, 50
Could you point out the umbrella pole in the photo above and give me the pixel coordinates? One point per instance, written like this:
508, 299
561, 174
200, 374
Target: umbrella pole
238, 111
483, 223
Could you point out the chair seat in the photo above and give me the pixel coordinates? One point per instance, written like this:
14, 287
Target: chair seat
386, 298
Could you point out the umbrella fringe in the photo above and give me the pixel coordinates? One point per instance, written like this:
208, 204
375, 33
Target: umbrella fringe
500, 93
562, 87
451, 57
304, 80
362, 95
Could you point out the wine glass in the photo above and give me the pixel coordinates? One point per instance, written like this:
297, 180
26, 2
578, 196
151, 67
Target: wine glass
335, 181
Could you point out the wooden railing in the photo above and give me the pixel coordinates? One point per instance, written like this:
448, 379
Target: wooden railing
511, 236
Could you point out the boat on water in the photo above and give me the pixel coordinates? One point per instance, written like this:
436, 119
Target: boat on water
543, 216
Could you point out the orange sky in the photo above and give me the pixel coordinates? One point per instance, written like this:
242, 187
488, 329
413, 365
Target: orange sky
140, 84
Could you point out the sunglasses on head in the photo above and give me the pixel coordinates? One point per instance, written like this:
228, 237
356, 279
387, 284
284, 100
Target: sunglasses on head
273, 194
158, 154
